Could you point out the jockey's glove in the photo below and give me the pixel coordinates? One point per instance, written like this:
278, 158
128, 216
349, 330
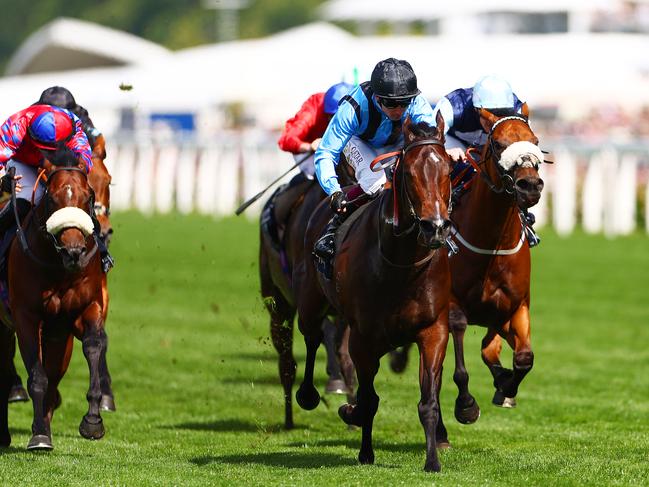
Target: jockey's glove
338, 202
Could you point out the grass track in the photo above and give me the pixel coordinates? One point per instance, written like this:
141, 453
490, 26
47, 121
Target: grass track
199, 402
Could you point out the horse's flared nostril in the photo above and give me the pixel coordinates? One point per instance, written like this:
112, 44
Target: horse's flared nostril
529, 185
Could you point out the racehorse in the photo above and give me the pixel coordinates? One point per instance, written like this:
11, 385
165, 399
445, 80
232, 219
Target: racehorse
275, 268
55, 294
391, 283
99, 179
491, 272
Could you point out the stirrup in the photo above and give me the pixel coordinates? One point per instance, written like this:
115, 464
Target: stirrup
107, 262
532, 238
324, 247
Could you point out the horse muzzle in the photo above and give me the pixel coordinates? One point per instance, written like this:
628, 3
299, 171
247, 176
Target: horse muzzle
528, 190
433, 233
71, 257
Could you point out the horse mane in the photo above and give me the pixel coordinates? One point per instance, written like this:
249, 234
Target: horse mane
422, 129
63, 157
86, 123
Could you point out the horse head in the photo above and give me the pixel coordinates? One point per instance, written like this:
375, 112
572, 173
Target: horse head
66, 207
513, 149
422, 181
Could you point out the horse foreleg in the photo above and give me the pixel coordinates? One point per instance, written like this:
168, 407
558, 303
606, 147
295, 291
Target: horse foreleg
362, 414
467, 410
346, 363
281, 331
56, 358
93, 342
307, 395
519, 339
432, 343
107, 402
491, 348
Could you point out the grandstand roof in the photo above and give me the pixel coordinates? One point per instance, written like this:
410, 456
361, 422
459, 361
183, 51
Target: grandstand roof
66, 44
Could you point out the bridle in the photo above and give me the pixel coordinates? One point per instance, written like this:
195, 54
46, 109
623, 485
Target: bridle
40, 224
400, 191
506, 179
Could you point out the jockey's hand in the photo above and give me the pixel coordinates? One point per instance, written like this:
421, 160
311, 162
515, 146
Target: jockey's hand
5, 183
315, 144
338, 202
456, 154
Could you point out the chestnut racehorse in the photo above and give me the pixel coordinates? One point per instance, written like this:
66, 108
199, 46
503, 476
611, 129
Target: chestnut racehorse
55, 294
491, 272
278, 294
391, 283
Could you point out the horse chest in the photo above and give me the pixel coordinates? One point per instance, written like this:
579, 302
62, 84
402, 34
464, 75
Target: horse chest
65, 301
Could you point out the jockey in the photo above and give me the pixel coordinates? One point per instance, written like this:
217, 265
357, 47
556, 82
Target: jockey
62, 97
460, 109
301, 136
26, 138
368, 123
461, 112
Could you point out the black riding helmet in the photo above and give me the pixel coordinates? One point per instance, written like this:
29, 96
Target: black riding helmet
58, 96
394, 79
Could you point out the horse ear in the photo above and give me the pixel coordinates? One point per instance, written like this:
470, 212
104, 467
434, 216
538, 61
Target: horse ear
407, 134
439, 123
525, 110
488, 117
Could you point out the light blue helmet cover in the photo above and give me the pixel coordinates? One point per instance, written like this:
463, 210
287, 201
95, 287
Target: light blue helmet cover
492, 92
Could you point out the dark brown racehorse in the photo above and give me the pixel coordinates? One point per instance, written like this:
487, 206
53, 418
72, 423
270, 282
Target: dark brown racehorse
55, 294
278, 294
391, 283
491, 273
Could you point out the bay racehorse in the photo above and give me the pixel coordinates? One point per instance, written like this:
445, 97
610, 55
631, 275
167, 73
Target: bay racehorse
276, 266
99, 179
391, 283
55, 294
491, 272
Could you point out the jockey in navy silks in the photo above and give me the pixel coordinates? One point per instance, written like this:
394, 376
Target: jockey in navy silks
368, 123
465, 128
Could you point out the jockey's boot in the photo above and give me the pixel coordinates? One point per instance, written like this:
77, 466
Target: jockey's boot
107, 261
532, 238
7, 216
324, 248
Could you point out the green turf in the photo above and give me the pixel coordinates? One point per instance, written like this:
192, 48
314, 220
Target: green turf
199, 402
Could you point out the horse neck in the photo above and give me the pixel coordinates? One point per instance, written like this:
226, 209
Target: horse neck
489, 218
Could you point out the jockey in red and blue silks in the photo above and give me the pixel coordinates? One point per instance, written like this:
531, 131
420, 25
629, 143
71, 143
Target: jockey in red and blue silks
368, 123
25, 140
462, 119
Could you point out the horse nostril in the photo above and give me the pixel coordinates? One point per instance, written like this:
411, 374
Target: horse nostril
528, 185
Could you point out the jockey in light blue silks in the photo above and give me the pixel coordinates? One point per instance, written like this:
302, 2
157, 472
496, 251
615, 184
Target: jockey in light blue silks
368, 123
465, 128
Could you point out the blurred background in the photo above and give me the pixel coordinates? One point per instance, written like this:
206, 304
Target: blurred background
191, 95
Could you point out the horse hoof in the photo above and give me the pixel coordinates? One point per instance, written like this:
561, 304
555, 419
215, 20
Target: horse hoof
18, 394
107, 403
432, 466
307, 397
366, 458
336, 386
467, 414
346, 413
40, 442
92, 431
502, 401
398, 362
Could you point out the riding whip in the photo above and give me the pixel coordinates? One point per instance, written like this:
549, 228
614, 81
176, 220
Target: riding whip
249, 202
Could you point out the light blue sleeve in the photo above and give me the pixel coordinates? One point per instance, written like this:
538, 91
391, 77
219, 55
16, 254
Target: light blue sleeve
444, 106
421, 111
341, 128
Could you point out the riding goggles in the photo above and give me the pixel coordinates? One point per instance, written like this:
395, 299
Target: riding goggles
394, 103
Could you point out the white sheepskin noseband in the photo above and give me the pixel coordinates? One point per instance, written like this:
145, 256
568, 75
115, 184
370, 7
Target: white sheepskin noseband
69, 217
524, 154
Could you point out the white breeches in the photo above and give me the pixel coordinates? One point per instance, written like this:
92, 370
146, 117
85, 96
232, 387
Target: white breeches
359, 155
307, 166
28, 181
455, 143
